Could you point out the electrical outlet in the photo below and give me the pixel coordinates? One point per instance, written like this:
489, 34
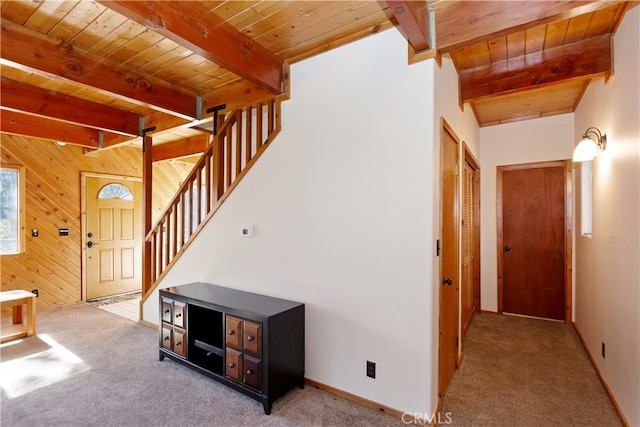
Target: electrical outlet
35, 291
603, 351
371, 369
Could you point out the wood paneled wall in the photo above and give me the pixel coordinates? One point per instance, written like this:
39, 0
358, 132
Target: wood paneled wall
52, 264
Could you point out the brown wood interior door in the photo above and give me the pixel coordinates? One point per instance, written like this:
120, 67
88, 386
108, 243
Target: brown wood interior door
533, 241
113, 242
448, 337
470, 289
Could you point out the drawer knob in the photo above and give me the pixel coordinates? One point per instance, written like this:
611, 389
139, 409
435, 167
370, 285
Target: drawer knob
249, 371
178, 314
249, 338
230, 332
232, 365
166, 338
166, 311
178, 343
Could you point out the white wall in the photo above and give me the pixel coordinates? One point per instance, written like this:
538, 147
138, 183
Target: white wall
342, 204
544, 139
607, 268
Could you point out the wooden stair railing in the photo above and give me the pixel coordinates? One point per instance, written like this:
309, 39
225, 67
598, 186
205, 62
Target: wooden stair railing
243, 135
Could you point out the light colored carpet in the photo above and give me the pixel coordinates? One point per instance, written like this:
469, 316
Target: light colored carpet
88, 367
526, 372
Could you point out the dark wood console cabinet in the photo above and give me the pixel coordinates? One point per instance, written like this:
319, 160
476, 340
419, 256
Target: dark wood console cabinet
250, 342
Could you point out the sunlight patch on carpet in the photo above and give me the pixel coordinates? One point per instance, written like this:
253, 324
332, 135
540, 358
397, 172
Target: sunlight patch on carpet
26, 374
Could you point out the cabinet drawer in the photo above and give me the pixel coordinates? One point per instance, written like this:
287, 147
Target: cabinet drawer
179, 342
179, 313
233, 367
234, 332
253, 372
167, 310
253, 337
166, 337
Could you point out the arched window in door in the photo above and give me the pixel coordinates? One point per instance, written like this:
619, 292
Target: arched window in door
115, 191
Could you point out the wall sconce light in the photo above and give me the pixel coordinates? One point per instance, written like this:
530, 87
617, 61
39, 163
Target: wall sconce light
588, 148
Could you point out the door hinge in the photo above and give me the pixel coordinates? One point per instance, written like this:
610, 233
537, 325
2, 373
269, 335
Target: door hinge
438, 247
457, 169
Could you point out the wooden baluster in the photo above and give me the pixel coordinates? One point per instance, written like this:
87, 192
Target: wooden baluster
189, 192
167, 241
151, 273
182, 223
208, 176
227, 156
174, 229
238, 144
198, 191
272, 117
217, 168
247, 137
160, 247
259, 125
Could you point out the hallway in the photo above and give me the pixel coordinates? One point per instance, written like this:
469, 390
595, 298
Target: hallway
526, 372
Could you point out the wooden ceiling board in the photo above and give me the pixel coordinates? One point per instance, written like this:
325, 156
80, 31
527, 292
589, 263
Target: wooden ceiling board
19, 11
48, 15
498, 49
577, 28
76, 20
516, 44
99, 32
228, 10
127, 41
535, 103
361, 22
556, 32
535, 39
318, 18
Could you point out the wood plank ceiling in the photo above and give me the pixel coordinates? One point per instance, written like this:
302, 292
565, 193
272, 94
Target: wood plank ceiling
95, 73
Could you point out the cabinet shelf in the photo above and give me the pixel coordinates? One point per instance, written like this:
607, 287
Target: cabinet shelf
208, 347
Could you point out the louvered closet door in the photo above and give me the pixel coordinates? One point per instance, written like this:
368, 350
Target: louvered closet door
469, 245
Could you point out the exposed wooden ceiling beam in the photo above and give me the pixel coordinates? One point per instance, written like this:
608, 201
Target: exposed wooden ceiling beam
464, 23
24, 48
193, 26
180, 148
18, 123
412, 17
583, 59
37, 127
23, 97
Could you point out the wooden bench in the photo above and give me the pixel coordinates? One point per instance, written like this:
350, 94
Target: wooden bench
15, 300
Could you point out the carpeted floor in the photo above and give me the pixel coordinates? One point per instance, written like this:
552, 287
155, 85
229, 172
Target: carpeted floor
88, 367
526, 372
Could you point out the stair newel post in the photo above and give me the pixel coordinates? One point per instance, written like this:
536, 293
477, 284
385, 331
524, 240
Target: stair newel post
147, 183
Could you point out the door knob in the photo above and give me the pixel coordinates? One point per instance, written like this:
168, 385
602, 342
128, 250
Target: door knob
447, 281
507, 248
91, 244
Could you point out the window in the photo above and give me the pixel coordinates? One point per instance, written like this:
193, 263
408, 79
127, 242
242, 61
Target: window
586, 197
11, 210
115, 191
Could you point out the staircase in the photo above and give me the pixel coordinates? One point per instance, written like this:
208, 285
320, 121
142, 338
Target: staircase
242, 136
